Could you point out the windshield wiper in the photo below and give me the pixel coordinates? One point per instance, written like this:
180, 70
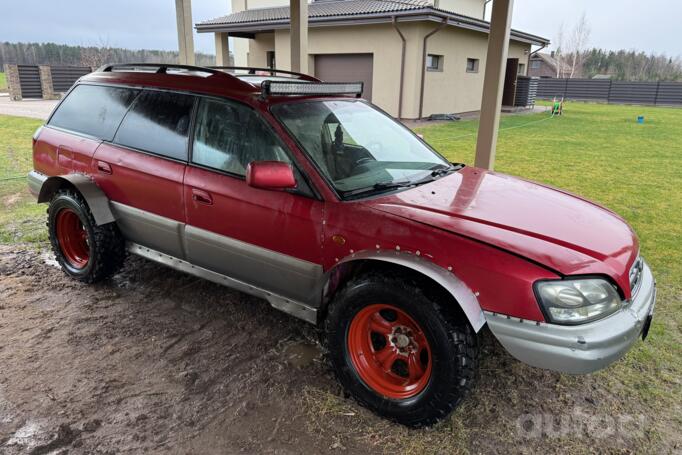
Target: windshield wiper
379, 186
438, 172
393, 184
445, 170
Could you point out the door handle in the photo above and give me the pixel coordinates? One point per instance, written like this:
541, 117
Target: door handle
104, 168
202, 197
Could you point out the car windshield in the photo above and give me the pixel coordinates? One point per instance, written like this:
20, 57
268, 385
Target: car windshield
358, 148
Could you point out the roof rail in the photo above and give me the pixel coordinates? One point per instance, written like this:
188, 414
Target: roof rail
272, 71
161, 67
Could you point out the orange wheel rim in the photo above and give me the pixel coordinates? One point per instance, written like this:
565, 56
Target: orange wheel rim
72, 238
390, 352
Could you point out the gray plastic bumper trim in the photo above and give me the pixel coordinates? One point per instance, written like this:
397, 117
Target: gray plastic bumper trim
35, 182
581, 348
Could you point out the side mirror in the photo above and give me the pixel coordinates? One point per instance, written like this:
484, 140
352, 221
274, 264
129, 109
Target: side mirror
270, 175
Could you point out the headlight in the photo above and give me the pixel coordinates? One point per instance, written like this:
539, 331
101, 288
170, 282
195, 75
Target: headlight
577, 301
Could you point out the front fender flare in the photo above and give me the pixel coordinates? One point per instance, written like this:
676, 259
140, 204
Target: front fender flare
464, 296
93, 195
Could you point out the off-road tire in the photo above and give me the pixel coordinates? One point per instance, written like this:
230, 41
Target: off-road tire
452, 341
105, 243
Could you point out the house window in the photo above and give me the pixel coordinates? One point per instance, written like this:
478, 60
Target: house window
434, 62
535, 64
522, 69
472, 65
270, 59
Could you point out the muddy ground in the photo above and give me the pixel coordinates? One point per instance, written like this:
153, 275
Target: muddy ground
156, 361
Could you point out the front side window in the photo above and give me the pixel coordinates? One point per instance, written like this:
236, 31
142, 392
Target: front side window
359, 149
158, 122
228, 136
95, 110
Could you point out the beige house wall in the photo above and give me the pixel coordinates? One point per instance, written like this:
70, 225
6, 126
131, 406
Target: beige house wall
258, 49
471, 8
455, 90
380, 40
451, 90
240, 48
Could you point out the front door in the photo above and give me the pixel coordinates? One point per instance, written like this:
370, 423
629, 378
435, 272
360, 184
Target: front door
509, 93
268, 239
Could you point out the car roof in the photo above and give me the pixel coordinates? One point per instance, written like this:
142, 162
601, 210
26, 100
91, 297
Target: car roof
239, 82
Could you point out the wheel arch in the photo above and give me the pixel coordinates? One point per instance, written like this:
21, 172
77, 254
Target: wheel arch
94, 196
445, 281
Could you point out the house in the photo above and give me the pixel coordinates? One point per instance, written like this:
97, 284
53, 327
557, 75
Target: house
546, 65
416, 58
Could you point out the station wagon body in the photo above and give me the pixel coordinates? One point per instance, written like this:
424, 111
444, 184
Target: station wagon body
302, 193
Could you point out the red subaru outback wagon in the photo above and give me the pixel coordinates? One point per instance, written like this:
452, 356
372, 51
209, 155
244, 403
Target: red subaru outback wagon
300, 192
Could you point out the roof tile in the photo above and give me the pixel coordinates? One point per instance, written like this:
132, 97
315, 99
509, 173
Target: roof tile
320, 9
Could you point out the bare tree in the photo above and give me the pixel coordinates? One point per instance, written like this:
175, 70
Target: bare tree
559, 53
579, 37
96, 55
571, 47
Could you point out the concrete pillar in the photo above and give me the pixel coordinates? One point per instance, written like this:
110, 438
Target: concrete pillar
46, 83
13, 84
183, 13
222, 49
299, 35
493, 83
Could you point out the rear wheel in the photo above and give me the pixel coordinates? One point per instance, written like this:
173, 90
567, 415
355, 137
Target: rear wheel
85, 251
398, 351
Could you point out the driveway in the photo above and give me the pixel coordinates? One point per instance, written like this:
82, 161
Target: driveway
39, 109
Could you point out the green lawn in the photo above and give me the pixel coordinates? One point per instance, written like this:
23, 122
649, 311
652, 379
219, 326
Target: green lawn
3, 82
598, 151
601, 152
21, 219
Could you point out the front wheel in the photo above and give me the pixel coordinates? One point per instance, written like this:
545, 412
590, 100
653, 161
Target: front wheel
85, 251
398, 351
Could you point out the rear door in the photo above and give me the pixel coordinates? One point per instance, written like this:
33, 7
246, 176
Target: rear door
269, 239
142, 170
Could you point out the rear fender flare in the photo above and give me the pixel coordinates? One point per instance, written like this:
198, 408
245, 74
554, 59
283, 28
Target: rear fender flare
93, 195
464, 296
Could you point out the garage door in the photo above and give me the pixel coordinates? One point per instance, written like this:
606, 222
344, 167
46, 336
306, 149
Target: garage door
346, 68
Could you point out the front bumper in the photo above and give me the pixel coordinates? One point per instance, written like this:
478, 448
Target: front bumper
580, 348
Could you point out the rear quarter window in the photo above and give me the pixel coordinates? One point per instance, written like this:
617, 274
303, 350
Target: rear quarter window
158, 122
94, 110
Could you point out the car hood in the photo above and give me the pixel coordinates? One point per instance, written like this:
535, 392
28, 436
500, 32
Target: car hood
561, 231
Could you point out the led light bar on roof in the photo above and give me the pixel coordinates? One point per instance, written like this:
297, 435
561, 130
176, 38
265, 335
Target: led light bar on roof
311, 88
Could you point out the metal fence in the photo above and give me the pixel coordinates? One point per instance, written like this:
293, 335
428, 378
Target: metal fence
41, 81
526, 91
618, 92
63, 77
29, 81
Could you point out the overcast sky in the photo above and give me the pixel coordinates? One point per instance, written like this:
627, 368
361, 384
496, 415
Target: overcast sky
648, 25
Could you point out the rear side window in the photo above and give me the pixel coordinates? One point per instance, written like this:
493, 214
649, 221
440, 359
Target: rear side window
158, 122
94, 110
